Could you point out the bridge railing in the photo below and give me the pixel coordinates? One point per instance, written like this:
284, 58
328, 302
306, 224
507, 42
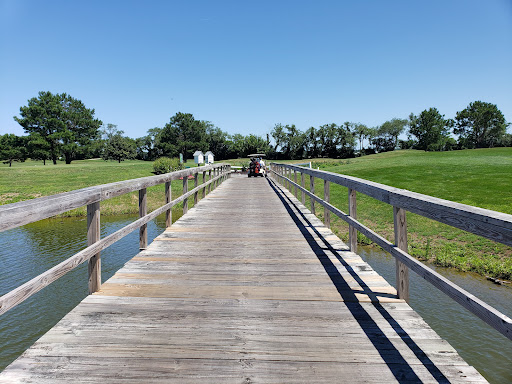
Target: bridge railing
492, 225
18, 214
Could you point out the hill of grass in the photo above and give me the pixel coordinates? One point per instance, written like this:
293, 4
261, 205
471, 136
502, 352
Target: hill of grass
475, 177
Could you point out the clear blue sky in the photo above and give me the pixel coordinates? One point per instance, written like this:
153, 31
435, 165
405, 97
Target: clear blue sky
247, 65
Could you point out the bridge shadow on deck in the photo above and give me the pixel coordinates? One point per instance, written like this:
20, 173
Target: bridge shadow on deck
397, 364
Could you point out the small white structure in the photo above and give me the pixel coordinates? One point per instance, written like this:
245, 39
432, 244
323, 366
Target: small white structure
208, 157
198, 157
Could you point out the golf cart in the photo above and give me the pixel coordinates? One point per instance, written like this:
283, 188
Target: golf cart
257, 165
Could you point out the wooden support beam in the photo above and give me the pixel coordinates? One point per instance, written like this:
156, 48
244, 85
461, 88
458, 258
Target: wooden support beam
312, 190
168, 199
352, 211
93, 235
195, 186
402, 272
143, 211
185, 190
204, 180
295, 181
327, 198
303, 195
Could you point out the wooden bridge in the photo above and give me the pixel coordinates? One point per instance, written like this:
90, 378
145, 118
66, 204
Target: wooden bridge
248, 287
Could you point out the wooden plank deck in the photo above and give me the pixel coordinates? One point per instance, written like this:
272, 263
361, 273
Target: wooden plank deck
248, 287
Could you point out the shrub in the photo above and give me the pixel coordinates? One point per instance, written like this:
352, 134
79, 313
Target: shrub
165, 165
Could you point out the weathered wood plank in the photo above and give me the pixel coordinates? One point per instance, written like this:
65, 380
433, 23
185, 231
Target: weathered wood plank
268, 295
24, 212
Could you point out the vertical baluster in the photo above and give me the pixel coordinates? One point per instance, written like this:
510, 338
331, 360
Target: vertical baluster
143, 211
302, 183
204, 180
402, 272
93, 235
209, 178
327, 198
185, 190
196, 175
295, 181
352, 211
312, 190
168, 199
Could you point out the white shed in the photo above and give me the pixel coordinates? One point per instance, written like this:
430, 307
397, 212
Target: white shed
198, 157
208, 157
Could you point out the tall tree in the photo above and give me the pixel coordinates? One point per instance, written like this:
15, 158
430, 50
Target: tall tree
480, 125
147, 146
62, 121
431, 130
117, 147
279, 135
361, 132
183, 134
13, 148
38, 148
392, 129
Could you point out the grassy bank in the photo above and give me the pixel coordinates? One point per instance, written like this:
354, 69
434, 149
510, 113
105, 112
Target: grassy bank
474, 177
32, 179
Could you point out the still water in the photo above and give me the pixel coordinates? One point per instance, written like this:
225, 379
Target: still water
32, 249
479, 344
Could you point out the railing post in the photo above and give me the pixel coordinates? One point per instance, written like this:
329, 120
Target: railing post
352, 212
295, 180
185, 190
209, 178
302, 185
143, 211
312, 190
168, 199
402, 272
196, 175
204, 180
93, 235
327, 198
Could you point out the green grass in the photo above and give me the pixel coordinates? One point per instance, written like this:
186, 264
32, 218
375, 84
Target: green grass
32, 179
474, 177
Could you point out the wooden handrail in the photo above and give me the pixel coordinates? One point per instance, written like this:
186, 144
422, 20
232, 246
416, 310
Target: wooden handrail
96, 245
28, 211
498, 224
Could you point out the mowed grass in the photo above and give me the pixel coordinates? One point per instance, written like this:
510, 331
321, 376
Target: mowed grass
32, 179
479, 177
474, 177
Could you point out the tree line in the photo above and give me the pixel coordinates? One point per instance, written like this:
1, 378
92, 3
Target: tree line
60, 127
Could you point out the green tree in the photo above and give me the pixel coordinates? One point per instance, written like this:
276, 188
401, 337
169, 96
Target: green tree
312, 144
217, 141
391, 129
279, 136
147, 146
431, 130
117, 147
345, 140
480, 125
62, 121
38, 148
361, 131
183, 134
13, 148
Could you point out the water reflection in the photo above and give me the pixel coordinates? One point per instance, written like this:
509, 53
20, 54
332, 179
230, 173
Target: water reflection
480, 345
30, 250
